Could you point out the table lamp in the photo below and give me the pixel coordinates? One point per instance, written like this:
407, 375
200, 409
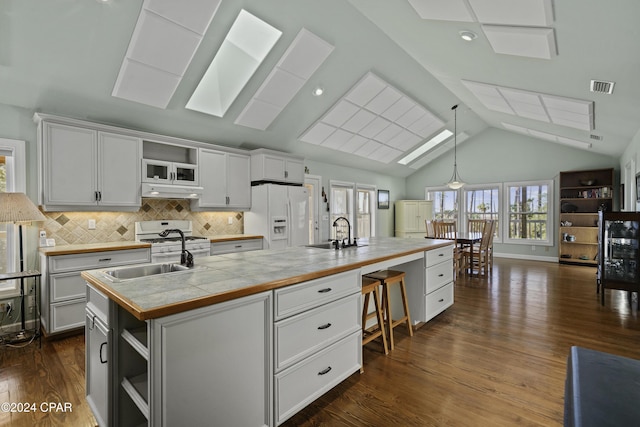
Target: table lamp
17, 208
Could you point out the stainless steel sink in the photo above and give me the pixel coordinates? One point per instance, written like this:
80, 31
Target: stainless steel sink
144, 270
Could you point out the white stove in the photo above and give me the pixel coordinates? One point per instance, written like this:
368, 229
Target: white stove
169, 249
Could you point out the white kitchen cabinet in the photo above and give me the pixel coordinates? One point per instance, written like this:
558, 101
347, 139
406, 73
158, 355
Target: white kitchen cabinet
317, 339
410, 217
63, 293
243, 245
274, 166
98, 372
226, 181
436, 293
85, 169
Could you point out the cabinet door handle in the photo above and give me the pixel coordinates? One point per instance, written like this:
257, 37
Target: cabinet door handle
101, 346
95, 196
441, 300
104, 259
286, 174
324, 291
325, 371
99, 196
93, 322
328, 325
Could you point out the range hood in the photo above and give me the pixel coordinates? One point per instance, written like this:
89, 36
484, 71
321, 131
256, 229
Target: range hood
171, 191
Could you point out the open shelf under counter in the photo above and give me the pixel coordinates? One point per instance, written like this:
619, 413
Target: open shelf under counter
137, 339
137, 388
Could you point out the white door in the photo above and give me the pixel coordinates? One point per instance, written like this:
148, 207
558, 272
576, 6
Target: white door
213, 178
238, 181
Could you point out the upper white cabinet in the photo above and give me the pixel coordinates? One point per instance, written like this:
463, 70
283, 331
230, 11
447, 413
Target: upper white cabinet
225, 177
83, 169
274, 166
411, 216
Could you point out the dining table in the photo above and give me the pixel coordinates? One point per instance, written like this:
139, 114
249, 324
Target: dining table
466, 239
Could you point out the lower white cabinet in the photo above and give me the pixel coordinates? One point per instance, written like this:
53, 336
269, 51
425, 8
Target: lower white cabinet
438, 289
98, 374
317, 339
62, 298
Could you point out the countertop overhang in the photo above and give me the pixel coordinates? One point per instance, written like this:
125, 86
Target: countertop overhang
230, 276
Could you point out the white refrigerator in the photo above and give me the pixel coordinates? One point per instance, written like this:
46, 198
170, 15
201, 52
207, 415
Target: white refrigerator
280, 213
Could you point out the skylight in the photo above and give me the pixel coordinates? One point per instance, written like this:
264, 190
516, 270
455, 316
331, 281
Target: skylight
247, 44
442, 136
548, 136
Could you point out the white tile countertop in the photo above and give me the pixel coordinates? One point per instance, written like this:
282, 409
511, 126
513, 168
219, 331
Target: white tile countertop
224, 277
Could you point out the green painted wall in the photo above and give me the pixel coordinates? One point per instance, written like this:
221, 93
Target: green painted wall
496, 156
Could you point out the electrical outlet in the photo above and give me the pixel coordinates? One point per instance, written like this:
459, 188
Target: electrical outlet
6, 306
92, 224
230, 220
31, 301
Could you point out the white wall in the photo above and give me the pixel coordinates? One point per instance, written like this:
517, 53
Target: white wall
499, 156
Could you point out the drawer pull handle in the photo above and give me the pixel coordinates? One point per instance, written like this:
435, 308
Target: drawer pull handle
325, 371
440, 275
440, 254
101, 346
104, 259
441, 300
238, 246
324, 291
328, 325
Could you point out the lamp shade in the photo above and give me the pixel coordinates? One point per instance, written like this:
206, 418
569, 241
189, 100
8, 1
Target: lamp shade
18, 208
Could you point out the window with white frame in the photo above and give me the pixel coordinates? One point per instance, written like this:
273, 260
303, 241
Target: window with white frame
445, 202
528, 210
341, 202
482, 202
12, 178
365, 211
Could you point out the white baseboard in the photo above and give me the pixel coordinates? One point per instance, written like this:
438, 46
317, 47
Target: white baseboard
527, 257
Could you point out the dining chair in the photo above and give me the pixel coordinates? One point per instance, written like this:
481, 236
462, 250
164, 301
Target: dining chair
431, 231
475, 225
477, 256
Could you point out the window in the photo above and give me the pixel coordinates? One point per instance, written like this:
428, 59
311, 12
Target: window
357, 204
445, 203
482, 202
366, 210
12, 178
529, 208
341, 204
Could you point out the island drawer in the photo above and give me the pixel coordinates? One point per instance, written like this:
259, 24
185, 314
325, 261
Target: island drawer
304, 334
97, 302
438, 275
218, 248
90, 261
295, 299
302, 383
436, 256
439, 300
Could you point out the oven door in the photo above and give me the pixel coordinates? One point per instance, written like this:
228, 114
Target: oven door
165, 257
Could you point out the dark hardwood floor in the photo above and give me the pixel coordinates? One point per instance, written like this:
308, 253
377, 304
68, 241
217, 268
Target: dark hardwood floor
496, 358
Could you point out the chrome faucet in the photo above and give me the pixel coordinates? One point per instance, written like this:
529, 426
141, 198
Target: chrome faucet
186, 258
336, 242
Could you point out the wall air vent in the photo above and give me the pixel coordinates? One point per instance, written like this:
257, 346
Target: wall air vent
596, 137
600, 86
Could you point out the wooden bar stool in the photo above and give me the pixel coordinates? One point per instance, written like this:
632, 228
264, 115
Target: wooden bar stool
389, 278
370, 286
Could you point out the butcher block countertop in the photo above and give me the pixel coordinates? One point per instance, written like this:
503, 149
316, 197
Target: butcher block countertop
225, 277
119, 246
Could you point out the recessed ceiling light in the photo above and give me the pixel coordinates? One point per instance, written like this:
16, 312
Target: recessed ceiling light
468, 35
318, 91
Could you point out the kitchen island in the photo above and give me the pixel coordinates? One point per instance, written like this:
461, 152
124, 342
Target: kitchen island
247, 338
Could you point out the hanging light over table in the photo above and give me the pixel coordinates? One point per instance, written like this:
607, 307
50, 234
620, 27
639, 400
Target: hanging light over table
455, 182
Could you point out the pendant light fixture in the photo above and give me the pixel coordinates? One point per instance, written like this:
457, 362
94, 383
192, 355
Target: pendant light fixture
455, 182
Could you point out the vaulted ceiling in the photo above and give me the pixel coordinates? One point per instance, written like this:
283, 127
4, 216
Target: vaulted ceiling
390, 69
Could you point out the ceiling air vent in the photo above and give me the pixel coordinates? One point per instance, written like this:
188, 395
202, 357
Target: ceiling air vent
600, 86
596, 137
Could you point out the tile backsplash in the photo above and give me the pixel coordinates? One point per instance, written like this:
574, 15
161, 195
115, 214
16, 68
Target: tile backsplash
69, 228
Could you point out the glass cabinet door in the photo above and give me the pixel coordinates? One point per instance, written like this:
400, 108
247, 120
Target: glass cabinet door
620, 250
